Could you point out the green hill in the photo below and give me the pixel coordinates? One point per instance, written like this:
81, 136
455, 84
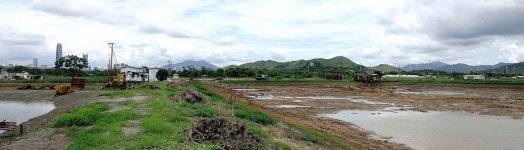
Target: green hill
517, 68
384, 68
338, 62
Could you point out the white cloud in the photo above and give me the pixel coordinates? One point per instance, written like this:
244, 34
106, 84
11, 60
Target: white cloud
512, 53
232, 32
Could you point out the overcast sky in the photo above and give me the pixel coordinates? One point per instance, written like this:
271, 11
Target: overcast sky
225, 32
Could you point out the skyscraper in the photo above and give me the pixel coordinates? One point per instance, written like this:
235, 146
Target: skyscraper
58, 51
86, 58
35, 62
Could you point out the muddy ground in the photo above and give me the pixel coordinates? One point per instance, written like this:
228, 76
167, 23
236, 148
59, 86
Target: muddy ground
506, 100
39, 137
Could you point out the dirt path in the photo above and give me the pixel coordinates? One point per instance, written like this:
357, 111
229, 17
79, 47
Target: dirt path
38, 137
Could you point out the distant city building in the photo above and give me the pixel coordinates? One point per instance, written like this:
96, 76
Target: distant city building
86, 58
58, 51
35, 62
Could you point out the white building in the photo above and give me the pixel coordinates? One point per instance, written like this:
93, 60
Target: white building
402, 76
134, 74
4, 75
474, 77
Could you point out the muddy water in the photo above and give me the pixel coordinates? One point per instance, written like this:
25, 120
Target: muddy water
15, 111
439, 130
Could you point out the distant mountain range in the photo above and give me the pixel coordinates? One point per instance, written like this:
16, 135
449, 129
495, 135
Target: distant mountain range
460, 67
341, 62
188, 63
318, 63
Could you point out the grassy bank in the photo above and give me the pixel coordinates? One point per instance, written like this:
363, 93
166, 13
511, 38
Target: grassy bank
59, 79
160, 123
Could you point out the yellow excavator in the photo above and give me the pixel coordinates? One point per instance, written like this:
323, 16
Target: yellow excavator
115, 78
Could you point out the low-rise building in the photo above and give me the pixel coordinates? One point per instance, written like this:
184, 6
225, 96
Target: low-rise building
402, 76
4, 75
474, 77
142, 74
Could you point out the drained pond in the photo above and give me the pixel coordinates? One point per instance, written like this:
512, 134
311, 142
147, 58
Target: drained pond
438, 130
16, 111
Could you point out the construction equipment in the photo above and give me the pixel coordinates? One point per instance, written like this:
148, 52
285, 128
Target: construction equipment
115, 78
261, 77
62, 89
365, 77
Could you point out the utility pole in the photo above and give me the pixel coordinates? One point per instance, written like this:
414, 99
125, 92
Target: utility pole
110, 67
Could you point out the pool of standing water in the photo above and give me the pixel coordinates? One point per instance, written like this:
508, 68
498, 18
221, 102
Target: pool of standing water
439, 130
15, 111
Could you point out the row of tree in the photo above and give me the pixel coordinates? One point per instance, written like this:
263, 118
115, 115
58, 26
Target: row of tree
73, 66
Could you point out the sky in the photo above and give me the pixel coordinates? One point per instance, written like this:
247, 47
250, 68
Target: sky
226, 32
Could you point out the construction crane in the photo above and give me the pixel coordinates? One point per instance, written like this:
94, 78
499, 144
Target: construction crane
115, 78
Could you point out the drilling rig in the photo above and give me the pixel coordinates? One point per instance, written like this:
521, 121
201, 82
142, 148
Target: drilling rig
115, 78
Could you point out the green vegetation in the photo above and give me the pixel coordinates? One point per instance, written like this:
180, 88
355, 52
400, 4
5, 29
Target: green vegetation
244, 111
316, 136
384, 68
162, 74
72, 64
82, 116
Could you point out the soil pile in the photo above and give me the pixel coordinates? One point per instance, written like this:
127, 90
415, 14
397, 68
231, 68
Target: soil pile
148, 86
228, 135
26, 87
47, 87
189, 96
176, 84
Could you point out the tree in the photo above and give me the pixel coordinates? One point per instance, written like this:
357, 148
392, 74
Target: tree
72, 64
162, 74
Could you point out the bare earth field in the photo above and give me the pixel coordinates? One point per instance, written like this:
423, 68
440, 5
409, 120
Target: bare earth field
302, 102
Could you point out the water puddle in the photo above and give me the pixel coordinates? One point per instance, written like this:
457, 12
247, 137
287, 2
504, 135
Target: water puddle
432, 93
439, 130
15, 111
287, 106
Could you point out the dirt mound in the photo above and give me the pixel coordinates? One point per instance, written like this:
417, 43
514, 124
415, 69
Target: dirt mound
228, 135
148, 86
176, 84
189, 96
47, 87
26, 87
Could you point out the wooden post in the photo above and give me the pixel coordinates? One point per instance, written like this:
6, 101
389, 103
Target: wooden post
21, 129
